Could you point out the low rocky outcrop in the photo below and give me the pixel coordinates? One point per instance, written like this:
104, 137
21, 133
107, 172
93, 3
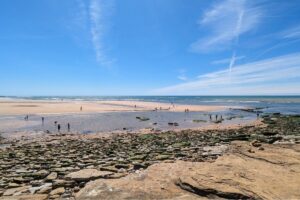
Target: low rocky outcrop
59, 166
273, 173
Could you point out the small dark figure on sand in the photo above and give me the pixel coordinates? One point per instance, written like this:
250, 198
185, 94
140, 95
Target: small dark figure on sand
80, 108
216, 117
210, 116
58, 127
221, 117
69, 127
26, 118
257, 114
134, 106
55, 123
43, 120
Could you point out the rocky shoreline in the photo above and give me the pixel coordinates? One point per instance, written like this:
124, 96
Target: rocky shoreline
59, 166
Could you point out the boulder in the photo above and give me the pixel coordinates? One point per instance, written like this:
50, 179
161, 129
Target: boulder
87, 175
57, 191
26, 197
16, 191
51, 176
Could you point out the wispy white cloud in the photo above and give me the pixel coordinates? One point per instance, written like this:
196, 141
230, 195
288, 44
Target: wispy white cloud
232, 61
182, 77
81, 17
259, 77
226, 60
291, 33
286, 37
100, 12
227, 20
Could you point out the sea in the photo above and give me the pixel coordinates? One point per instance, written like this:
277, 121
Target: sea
86, 123
282, 104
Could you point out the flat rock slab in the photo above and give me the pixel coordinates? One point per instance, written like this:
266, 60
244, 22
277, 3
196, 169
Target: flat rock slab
272, 173
26, 197
88, 174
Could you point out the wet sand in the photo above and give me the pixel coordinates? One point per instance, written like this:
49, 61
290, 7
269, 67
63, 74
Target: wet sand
152, 121
23, 107
105, 117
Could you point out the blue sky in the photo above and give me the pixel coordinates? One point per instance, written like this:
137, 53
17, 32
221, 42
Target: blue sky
149, 47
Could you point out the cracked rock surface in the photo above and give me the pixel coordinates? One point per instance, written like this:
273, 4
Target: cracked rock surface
237, 175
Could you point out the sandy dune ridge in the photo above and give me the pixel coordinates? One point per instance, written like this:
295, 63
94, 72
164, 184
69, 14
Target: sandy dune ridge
15, 107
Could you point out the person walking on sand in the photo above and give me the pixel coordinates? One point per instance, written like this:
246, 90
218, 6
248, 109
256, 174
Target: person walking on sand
69, 127
43, 120
216, 117
58, 127
209, 116
80, 108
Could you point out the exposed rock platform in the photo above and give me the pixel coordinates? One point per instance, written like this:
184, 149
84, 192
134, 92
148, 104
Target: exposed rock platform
272, 173
245, 163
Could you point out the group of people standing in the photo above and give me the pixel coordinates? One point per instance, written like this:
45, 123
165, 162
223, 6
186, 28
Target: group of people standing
216, 116
59, 126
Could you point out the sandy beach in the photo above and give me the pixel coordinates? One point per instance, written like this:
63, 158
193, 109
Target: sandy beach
113, 116
15, 107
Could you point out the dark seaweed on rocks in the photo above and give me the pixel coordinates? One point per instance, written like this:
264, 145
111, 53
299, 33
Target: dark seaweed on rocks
42, 166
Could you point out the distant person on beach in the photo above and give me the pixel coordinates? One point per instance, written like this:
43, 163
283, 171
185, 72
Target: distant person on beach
55, 123
26, 118
257, 115
209, 116
216, 117
80, 108
69, 127
43, 120
58, 127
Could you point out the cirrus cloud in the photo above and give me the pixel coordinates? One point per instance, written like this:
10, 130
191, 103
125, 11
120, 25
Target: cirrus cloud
226, 21
277, 75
